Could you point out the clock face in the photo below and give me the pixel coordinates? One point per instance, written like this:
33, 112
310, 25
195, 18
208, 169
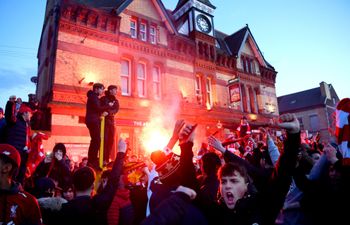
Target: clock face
203, 23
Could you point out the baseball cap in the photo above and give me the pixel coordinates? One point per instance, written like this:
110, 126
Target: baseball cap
10, 152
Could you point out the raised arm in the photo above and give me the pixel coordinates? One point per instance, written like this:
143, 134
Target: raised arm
104, 199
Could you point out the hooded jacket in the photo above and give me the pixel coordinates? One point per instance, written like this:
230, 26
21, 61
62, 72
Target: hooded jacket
94, 108
105, 100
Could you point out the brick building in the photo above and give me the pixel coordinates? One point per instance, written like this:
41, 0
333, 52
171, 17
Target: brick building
167, 65
314, 108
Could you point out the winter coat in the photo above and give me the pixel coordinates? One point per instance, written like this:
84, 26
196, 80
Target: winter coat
325, 200
246, 212
57, 170
177, 210
94, 108
85, 210
169, 208
185, 175
121, 211
18, 206
10, 112
50, 207
2, 130
16, 134
264, 205
105, 100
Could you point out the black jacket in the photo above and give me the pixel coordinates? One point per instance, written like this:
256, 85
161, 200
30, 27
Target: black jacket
105, 100
57, 170
16, 134
94, 108
86, 210
264, 205
176, 210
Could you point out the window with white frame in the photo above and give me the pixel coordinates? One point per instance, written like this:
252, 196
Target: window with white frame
156, 82
125, 77
141, 79
314, 123
198, 89
143, 31
208, 91
133, 28
153, 34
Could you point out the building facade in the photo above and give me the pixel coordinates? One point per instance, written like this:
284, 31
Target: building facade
314, 108
167, 65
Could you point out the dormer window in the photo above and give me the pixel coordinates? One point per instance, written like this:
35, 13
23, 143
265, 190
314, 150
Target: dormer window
133, 28
152, 34
248, 64
143, 31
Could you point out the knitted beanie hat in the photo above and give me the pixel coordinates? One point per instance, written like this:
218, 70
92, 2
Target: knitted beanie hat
342, 132
167, 167
133, 171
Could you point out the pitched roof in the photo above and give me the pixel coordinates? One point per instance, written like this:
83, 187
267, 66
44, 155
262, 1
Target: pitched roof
300, 100
183, 2
234, 41
102, 4
220, 38
119, 5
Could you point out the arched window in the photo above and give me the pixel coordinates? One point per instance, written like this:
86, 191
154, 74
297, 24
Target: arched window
141, 79
156, 80
126, 77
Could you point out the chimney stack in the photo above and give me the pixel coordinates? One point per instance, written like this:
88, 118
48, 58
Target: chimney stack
325, 90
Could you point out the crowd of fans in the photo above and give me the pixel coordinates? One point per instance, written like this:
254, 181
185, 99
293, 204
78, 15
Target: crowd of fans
244, 179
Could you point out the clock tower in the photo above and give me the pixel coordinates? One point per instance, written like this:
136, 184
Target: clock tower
194, 15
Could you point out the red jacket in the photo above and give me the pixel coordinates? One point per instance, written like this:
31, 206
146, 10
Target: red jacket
18, 207
120, 200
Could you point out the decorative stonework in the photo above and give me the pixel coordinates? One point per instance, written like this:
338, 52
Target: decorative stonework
102, 21
85, 31
68, 97
205, 65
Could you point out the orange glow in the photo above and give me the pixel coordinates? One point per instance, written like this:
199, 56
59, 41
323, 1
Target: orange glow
154, 137
90, 77
144, 103
253, 117
183, 92
157, 132
208, 106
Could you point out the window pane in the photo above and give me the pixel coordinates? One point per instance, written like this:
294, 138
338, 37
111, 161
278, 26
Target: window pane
156, 74
153, 35
125, 67
141, 71
208, 86
198, 86
141, 79
143, 32
314, 123
125, 85
156, 82
133, 28
141, 88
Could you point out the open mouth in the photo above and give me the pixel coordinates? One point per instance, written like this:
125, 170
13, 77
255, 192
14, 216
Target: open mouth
230, 198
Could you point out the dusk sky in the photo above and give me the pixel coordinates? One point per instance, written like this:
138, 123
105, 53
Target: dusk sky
307, 41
